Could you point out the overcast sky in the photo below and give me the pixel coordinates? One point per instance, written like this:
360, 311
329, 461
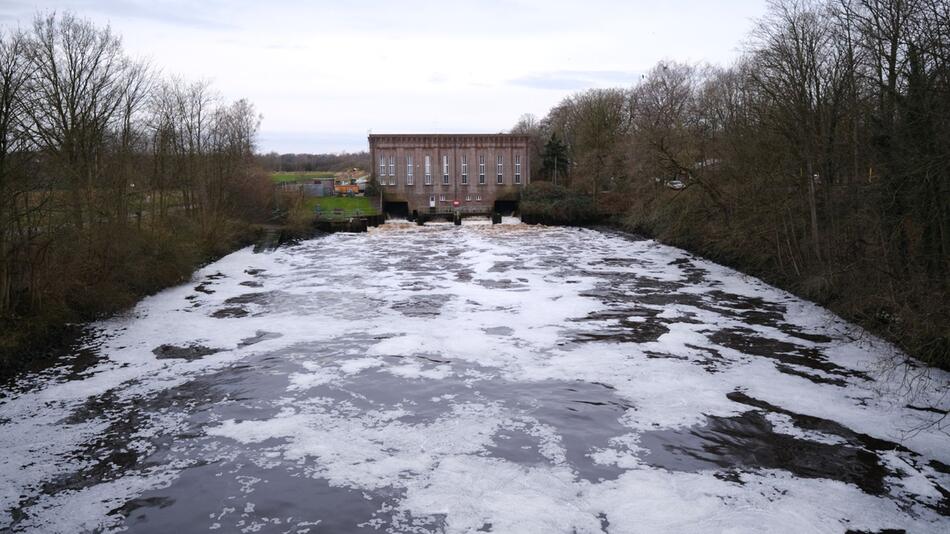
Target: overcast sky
324, 74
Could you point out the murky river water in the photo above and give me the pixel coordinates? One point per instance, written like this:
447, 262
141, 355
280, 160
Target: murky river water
474, 379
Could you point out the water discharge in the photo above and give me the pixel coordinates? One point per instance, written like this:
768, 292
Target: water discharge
481, 378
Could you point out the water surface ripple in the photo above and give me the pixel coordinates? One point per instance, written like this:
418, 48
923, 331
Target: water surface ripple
478, 378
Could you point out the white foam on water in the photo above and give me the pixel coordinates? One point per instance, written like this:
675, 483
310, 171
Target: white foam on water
347, 308
358, 365
371, 450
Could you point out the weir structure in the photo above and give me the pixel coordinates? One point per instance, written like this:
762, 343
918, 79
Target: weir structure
422, 176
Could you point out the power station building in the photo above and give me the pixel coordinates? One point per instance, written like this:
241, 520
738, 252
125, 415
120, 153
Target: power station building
445, 173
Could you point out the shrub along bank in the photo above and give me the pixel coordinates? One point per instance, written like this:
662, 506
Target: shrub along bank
546, 203
819, 160
104, 273
146, 180
858, 291
909, 310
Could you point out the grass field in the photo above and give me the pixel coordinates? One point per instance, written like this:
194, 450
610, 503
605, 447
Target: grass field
282, 177
348, 204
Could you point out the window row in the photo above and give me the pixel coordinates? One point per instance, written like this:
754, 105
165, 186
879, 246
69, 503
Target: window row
387, 166
468, 198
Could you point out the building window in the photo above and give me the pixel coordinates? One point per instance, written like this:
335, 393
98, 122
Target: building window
392, 165
468, 198
498, 170
445, 170
478, 196
442, 197
481, 169
518, 168
409, 177
464, 170
382, 170
428, 178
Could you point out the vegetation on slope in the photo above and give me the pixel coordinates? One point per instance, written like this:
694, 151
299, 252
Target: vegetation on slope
546, 203
113, 182
819, 161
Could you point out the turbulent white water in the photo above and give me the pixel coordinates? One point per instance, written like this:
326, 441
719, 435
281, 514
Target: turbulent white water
502, 378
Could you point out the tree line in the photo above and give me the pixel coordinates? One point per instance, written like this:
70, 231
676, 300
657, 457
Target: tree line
819, 160
114, 180
274, 162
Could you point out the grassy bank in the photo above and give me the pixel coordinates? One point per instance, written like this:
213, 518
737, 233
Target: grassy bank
287, 177
349, 205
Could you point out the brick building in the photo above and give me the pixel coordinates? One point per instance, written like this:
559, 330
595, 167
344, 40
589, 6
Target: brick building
426, 173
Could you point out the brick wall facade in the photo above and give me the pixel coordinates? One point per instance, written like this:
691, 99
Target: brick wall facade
462, 152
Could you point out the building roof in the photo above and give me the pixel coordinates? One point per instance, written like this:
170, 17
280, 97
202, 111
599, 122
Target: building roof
447, 135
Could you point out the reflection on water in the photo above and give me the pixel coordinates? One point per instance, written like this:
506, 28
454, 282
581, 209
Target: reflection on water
477, 378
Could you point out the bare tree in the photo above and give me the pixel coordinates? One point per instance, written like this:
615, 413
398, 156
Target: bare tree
14, 73
95, 154
798, 68
81, 81
821, 159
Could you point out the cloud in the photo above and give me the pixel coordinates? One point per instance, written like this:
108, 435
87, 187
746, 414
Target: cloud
13, 11
571, 80
175, 13
311, 142
282, 46
323, 71
185, 14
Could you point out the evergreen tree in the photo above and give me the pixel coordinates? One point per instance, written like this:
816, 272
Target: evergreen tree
554, 159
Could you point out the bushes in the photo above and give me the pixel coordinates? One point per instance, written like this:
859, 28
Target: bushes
147, 180
826, 177
546, 203
103, 270
911, 310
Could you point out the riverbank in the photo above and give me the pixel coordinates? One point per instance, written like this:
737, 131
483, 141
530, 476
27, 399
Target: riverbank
401, 379
152, 260
910, 309
917, 330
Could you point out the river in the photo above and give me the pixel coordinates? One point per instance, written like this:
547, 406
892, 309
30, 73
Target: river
481, 378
